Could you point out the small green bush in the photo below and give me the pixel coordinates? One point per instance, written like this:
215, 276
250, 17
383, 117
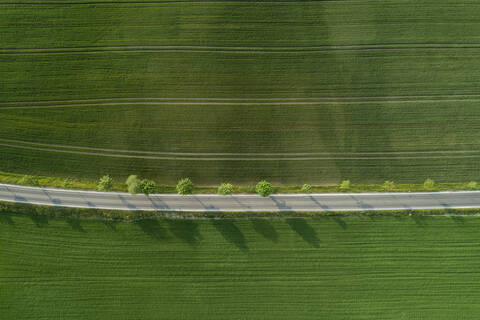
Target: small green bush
146, 186
429, 184
225, 188
28, 181
345, 185
388, 185
185, 186
264, 188
306, 188
105, 183
472, 185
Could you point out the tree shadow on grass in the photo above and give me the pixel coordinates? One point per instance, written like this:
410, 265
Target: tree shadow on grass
300, 226
421, 221
6, 219
458, 220
39, 220
153, 228
231, 233
75, 224
112, 225
187, 230
265, 228
340, 222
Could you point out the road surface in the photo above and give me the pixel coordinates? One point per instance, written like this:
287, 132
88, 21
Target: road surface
237, 203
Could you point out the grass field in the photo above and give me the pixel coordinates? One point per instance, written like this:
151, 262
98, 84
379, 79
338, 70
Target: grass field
295, 92
323, 268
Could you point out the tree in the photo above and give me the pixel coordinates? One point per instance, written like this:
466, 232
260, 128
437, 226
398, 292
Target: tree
225, 188
134, 187
388, 185
147, 186
133, 184
345, 185
131, 179
306, 188
185, 186
29, 181
264, 188
429, 184
105, 183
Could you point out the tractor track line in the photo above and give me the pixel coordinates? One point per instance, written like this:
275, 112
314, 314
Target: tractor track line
291, 103
203, 99
62, 146
231, 159
280, 49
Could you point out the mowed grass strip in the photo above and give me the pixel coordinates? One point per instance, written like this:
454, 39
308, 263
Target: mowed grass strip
335, 268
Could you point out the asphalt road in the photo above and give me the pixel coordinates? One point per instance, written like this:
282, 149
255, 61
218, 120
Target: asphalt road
212, 203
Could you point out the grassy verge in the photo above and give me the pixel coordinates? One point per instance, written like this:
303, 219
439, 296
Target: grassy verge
134, 216
67, 183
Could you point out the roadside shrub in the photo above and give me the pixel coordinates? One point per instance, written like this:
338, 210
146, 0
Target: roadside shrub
429, 184
133, 184
225, 188
131, 179
147, 186
388, 185
28, 181
105, 183
134, 187
472, 185
345, 185
185, 186
264, 188
306, 188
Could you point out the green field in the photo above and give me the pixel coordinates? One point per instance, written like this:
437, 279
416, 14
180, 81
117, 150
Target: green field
295, 92
321, 268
